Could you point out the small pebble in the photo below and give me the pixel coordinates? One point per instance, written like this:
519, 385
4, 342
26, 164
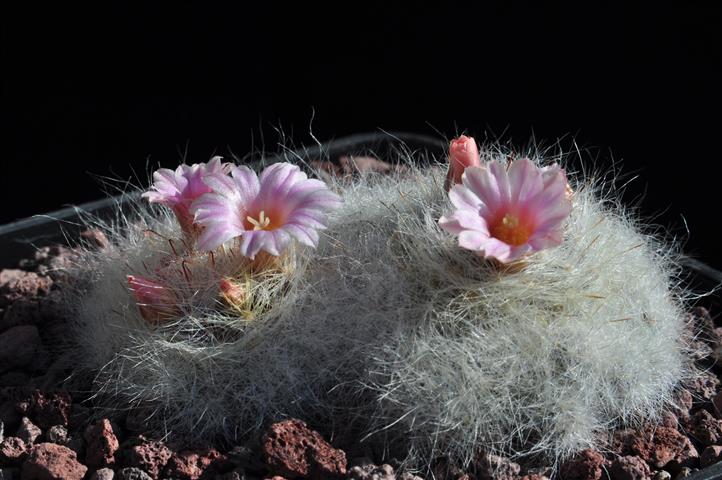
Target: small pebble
132, 473
103, 474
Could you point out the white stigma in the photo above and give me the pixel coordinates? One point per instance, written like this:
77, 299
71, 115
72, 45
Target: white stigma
262, 222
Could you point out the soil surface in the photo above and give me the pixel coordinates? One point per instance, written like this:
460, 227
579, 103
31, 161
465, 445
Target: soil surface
50, 433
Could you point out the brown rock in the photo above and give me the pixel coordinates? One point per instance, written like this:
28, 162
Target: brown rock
132, 473
586, 465
703, 387
95, 237
16, 284
707, 429
710, 455
54, 261
292, 450
493, 467
49, 461
630, 468
658, 446
18, 347
683, 404
191, 465
150, 456
534, 476
51, 408
28, 432
101, 444
13, 451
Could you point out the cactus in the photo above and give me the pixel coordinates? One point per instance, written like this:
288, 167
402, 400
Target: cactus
388, 329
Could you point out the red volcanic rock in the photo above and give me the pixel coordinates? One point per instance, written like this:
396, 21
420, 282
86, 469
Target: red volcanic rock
49, 409
101, 444
629, 468
293, 450
704, 387
48, 461
658, 446
707, 429
191, 465
150, 456
710, 455
17, 284
586, 465
12, 451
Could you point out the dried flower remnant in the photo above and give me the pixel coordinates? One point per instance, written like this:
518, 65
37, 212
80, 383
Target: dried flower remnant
180, 187
156, 302
505, 215
266, 212
463, 153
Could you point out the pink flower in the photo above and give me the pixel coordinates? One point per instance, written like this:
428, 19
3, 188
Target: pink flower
178, 189
463, 153
156, 302
505, 215
267, 213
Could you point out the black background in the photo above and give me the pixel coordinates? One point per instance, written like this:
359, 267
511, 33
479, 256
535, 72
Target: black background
107, 91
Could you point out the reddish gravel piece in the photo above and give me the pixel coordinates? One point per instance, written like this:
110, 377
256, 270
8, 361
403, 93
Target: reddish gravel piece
12, 451
17, 284
710, 455
101, 444
707, 429
51, 408
149, 456
586, 465
629, 468
48, 461
191, 465
292, 450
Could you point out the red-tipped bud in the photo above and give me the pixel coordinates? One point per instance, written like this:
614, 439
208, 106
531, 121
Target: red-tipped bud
232, 292
156, 302
463, 153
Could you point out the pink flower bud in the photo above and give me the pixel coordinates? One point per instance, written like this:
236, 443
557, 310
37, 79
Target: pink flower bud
233, 293
156, 302
463, 153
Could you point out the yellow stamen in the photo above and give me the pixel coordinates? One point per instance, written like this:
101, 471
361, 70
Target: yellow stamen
510, 229
262, 222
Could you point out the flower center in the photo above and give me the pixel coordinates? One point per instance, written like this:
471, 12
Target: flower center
262, 223
511, 229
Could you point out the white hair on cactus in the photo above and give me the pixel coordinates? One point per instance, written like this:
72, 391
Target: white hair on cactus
390, 328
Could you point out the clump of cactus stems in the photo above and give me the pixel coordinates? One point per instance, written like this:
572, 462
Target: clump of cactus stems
491, 305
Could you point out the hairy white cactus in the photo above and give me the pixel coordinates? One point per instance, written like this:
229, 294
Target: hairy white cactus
390, 329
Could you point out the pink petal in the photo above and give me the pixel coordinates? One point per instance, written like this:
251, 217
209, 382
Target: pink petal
525, 180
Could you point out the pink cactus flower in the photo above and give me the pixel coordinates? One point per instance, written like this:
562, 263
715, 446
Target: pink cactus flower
156, 302
505, 215
266, 213
463, 153
178, 189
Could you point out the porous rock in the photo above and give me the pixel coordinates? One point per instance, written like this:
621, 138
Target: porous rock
191, 465
149, 455
12, 451
16, 284
710, 455
48, 461
369, 471
292, 450
629, 468
586, 465
707, 429
101, 444
657, 446
51, 408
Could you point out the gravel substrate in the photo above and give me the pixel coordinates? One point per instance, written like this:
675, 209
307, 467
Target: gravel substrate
51, 433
